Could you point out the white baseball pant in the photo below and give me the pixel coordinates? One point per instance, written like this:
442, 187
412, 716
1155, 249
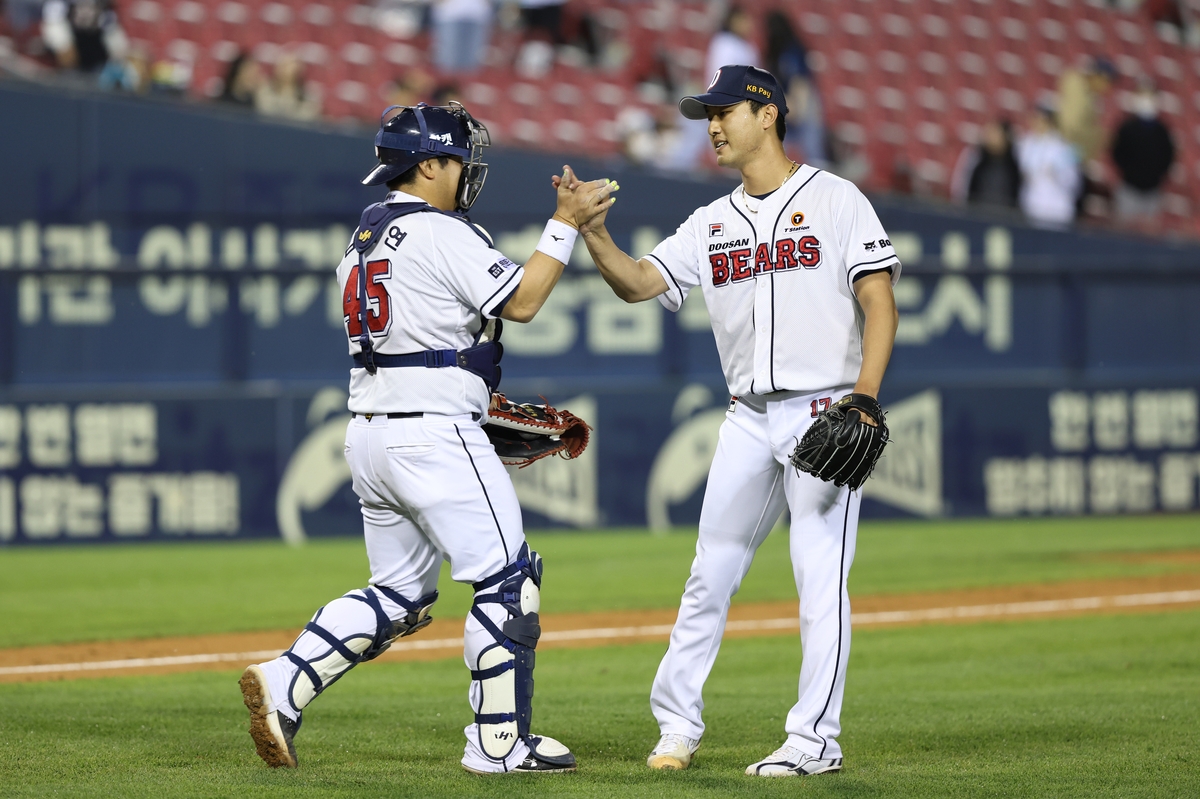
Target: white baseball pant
430, 487
750, 482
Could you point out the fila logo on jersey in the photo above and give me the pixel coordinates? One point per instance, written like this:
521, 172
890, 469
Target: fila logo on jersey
735, 266
716, 229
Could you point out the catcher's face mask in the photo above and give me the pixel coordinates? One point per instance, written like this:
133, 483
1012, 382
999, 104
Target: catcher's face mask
474, 169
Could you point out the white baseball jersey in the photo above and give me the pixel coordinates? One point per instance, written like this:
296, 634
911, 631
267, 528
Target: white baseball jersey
432, 284
778, 276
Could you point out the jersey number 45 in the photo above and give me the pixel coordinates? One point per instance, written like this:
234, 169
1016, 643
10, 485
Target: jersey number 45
379, 306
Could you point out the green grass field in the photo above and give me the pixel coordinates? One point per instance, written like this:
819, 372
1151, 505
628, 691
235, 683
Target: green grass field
134, 591
1098, 706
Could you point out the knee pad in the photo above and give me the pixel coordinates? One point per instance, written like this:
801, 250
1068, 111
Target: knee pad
505, 669
342, 643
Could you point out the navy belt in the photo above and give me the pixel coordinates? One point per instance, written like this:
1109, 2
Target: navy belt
430, 359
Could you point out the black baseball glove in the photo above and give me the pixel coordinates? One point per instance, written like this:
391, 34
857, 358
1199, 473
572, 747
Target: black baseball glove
839, 446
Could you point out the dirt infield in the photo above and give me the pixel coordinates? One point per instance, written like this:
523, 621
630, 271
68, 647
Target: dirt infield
442, 640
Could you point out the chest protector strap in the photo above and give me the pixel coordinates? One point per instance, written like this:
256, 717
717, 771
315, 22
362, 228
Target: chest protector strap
482, 360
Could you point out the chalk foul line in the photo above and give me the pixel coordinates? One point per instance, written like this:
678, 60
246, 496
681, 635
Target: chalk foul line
999, 610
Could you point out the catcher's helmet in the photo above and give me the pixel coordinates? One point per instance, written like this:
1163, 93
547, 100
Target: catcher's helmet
418, 133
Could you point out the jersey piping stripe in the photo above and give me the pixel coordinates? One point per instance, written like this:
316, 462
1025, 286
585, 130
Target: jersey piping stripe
518, 271
673, 280
753, 317
864, 272
852, 276
499, 532
837, 660
876, 261
773, 230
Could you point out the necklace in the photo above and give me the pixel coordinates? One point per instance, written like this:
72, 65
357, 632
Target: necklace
746, 205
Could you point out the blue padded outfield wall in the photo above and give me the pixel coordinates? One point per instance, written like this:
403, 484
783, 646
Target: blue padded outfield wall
172, 363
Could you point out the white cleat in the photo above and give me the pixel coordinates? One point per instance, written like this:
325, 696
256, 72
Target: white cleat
788, 761
271, 730
673, 753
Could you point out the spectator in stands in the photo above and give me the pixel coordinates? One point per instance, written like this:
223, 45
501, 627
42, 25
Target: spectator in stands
414, 86
1143, 152
733, 44
22, 15
283, 94
242, 80
543, 18
787, 60
1081, 93
1049, 172
130, 74
987, 173
730, 45
543, 21
82, 34
649, 139
461, 29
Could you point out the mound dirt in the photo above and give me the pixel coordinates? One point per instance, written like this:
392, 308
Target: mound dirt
442, 639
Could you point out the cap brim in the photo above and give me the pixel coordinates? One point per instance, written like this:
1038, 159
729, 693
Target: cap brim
693, 107
382, 173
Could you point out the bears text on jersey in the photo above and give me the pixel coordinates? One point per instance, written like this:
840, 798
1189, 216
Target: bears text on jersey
737, 265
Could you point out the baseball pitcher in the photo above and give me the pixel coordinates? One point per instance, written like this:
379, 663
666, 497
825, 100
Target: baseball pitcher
424, 290
797, 274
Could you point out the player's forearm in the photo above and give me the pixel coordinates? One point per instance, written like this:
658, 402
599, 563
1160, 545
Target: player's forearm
630, 279
879, 336
541, 276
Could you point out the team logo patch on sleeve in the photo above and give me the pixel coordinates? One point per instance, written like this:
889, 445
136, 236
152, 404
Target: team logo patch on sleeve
716, 229
498, 269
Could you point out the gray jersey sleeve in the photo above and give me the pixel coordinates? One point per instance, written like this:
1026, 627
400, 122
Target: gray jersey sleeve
677, 258
866, 247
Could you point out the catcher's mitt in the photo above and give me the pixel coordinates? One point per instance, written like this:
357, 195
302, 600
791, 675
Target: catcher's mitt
526, 433
841, 447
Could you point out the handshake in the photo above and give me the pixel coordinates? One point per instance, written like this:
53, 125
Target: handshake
583, 204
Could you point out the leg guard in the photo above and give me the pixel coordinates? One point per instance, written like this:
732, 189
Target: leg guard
504, 670
341, 635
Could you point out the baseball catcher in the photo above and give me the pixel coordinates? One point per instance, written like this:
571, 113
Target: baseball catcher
841, 447
526, 433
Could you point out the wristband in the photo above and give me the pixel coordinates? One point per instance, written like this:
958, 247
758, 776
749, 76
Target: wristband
558, 239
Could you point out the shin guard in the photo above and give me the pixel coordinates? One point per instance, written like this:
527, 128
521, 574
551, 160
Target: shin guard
350, 630
504, 670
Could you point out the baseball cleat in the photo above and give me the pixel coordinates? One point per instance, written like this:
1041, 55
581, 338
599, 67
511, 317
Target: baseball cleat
673, 752
271, 730
546, 756
788, 761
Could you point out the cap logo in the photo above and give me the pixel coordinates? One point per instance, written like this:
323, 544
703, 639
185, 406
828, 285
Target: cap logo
797, 219
716, 78
750, 87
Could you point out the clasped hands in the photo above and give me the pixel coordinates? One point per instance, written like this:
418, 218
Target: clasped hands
583, 204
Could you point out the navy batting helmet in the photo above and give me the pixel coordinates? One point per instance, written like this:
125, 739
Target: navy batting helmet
421, 132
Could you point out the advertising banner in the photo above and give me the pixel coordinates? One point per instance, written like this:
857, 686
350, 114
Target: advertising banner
214, 467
